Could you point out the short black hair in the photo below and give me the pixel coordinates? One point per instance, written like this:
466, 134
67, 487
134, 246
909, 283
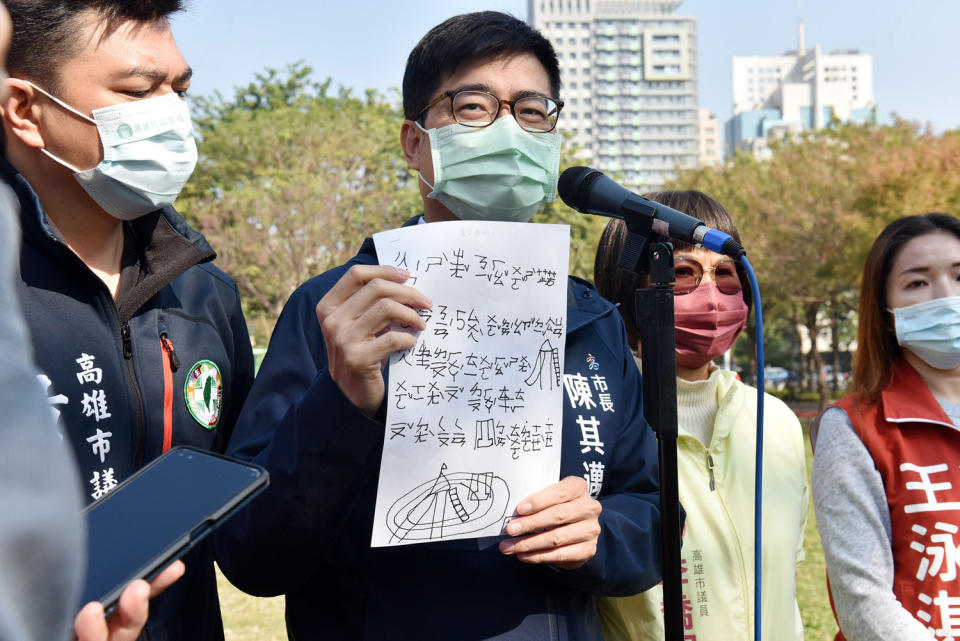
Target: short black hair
618, 285
468, 38
45, 33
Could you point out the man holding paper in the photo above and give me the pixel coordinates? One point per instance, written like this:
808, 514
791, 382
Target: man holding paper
481, 96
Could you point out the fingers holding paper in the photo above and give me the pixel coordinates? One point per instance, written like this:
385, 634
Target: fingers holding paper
355, 317
559, 525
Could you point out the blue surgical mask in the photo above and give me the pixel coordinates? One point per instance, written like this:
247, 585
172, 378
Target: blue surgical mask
931, 330
149, 153
499, 172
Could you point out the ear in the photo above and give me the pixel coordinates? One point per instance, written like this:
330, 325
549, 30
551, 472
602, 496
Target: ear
411, 138
21, 113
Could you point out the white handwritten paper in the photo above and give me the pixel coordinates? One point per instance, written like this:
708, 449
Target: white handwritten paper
474, 415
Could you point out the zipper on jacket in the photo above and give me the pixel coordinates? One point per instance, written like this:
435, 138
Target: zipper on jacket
170, 365
127, 338
127, 341
168, 347
710, 466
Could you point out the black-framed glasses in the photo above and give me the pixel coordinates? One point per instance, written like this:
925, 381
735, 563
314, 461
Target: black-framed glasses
472, 108
689, 273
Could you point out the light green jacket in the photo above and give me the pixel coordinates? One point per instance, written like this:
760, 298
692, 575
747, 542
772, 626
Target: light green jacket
716, 490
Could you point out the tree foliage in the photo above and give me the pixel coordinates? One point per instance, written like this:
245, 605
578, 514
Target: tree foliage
291, 179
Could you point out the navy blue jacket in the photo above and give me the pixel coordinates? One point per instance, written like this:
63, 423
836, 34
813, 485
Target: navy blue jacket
308, 536
117, 372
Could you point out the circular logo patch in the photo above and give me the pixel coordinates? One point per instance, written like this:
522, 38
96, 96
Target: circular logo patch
124, 130
203, 393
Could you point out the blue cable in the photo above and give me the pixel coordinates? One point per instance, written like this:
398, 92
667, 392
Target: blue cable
758, 481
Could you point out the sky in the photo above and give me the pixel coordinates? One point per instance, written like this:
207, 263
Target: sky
364, 44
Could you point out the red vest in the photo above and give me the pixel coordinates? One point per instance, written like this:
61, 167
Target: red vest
916, 449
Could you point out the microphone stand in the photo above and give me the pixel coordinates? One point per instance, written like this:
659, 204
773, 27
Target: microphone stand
646, 252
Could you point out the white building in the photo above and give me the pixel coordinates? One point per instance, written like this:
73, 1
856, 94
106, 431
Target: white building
629, 72
800, 90
709, 138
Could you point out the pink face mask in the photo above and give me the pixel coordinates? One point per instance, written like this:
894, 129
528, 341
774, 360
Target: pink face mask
707, 323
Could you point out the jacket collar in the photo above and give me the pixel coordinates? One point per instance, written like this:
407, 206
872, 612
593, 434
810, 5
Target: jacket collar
730, 402
165, 245
907, 399
584, 303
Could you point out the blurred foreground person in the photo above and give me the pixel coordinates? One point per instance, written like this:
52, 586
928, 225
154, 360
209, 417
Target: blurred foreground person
886, 470
716, 416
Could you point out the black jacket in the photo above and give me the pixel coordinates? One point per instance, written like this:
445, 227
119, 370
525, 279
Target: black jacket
132, 376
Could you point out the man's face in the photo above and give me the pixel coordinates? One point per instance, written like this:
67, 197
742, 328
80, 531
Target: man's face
506, 77
137, 60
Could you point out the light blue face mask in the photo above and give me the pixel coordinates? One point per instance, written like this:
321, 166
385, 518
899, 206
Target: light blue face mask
148, 154
931, 330
499, 172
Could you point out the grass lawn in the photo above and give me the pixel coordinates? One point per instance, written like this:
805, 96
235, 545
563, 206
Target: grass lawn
247, 618
818, 621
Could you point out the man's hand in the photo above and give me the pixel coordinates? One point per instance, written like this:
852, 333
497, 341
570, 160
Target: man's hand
355, 316
126, 623
561, 523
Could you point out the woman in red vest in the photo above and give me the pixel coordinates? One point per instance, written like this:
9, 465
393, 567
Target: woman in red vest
886, 474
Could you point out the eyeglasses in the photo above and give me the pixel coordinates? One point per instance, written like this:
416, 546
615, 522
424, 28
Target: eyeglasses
689, 273
536, 114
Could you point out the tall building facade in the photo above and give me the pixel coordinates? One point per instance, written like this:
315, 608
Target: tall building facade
800, 90
629, 72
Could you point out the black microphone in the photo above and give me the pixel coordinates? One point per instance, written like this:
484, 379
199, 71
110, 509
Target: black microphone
590, 191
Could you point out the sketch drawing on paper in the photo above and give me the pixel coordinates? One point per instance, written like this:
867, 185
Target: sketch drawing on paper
546, 371
486, 434
449, 504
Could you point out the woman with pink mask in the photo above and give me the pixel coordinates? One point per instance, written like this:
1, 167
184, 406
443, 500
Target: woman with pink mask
716, 416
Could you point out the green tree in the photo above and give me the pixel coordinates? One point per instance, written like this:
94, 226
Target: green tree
291, 179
